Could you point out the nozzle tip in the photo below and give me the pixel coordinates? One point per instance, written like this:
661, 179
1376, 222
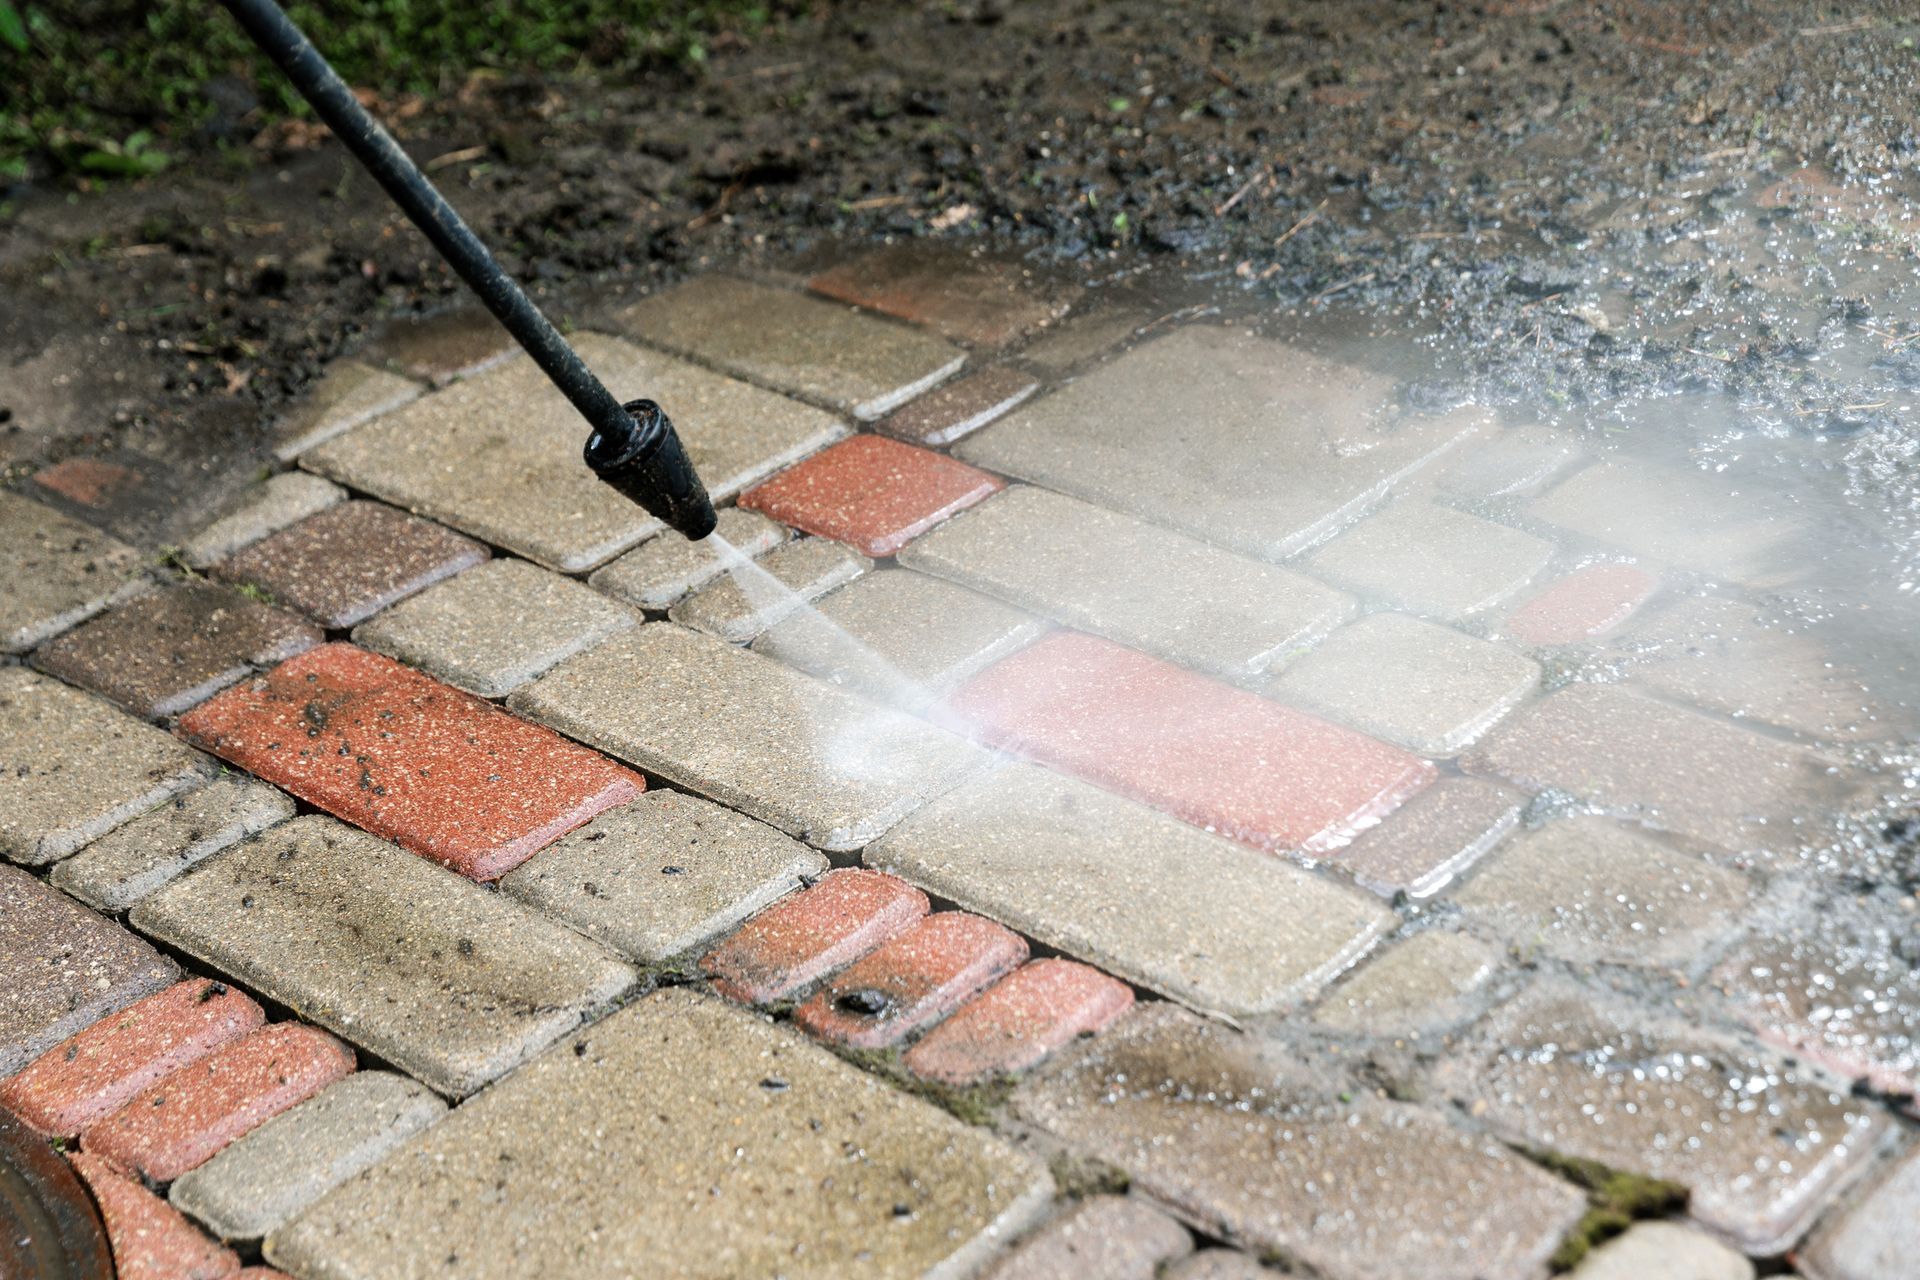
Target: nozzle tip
652, 468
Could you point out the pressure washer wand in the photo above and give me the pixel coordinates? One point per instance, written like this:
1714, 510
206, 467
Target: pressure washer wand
633, 447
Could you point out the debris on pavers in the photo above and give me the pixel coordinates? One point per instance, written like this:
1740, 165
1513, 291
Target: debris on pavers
1037, 1009
125, 865
442, 348
911, 981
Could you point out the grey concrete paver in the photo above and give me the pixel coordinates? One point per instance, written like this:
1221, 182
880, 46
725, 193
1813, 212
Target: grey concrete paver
979, 298
268, 507
742, 604
960, 407
1429, 559
125, 865
661, 571
1872, 1238
727, 1129
1410, 986
1663, 1251
1508, 462
1421, 846
1112, 1237
349, 393
59, 572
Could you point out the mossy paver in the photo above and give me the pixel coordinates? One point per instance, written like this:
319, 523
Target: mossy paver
1131, 581
792, 944
874, 494
1664, 1251
744, 603
1120, 886
1019, 1020
1421, 846
1113, 1237
348, 393
911, 980
1586, 603
59, 572
663, 874
724, 1127
421, 967
1410, 986
959, 408
821, 351
1873, 1237
981, 299
1429, 559
1240, 1136
268, 507
810, 759
661, 571
73, 768
126, 864
150, 1239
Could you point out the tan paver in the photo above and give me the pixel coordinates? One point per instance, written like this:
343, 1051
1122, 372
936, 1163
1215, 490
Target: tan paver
1410, 986
128, 863
1421, 846
1429, 559
59, 572
742, 604
268, 507
1663, 1251
349, 393
661, 571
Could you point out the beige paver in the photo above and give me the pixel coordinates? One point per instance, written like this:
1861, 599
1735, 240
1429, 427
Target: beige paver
59, 572
270, 506
749, 599
660, 572
1430, 559
349, 393
1112, 1237
1411, 985
125, 865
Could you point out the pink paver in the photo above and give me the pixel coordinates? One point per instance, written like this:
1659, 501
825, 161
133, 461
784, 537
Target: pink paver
1210, 754
89, 482
423, 764
1584, 604
846, 914
185, 1119
95, 1073
1026, 1016
874, 494
916, 978
150, 1239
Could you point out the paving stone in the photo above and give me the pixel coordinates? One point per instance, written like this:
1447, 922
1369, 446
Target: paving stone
1018, 1021
350, 561
1091, 331
100, 1069
89, 482
438, 771
498, 456
150, 1240
1248, 443
59, 572
812, 760
1220, 1264
663, 874
1225, 760
164, 651
1111, 1237
913, 637
1433, 837
180, 1121
976, 298
1428, 688
1663, 1251
1872, 1238
73, 768
128, 863
663, 570
268, 507
1694, 519
819, 351
960, 407
1429, 559
842, 917
753, 1121
1136, 893
1510, 461
1411, 986
1760, 1143
65, 967
269, 1176
911, 980
441, 348
1666, 766
1133, 582
1586, 603
348, 394
872, 493
800, 571
449, 981
1242, 1138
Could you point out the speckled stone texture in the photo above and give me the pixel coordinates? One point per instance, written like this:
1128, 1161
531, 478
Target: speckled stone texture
347, 394
128, 863
350, 561
737, 612
1586, 603
151, 1241
1509, 461
1432, 838
1220, 1264
445, 979
1247, 443
1345, 1188
495, 627
276, 1171
1432, 560
872, 493
1228, 761
1666, 1251
162, 652
1112, 1237
99, 1070
749, 1113
970, 296
812, 760
911, 980
1873, 1237
73, 768
59, 572
408, 758
663, 874
178, 1122
1018, 1021
1761, 1144
442, 348
498, 455
661, 571
1132, 891
1133, 582
820, 351
960, 407
846, 914
1410, 986
267, 507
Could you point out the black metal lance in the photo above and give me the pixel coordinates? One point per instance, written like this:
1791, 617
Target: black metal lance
633, 447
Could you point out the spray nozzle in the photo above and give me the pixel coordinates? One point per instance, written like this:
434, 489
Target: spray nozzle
650, 466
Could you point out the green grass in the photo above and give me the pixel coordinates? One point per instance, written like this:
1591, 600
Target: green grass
119, 88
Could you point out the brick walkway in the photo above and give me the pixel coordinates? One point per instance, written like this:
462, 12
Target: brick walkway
1256, 825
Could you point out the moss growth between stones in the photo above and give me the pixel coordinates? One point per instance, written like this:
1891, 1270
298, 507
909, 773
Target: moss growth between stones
1615, 1199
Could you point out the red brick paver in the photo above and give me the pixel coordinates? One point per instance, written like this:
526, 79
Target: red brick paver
876, 495
149, 1237
916, 978
96, 1072
1588, 603
184, 1120
421, 763
89, 482
846, 914
1210, 754
1018, 1021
